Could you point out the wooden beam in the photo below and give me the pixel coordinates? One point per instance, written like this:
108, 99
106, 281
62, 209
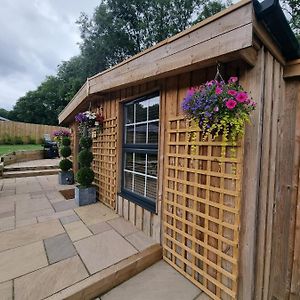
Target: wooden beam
292, 69
105, 280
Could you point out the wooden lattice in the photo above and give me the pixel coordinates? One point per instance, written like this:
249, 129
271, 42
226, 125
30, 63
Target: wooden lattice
202, 193
105, 162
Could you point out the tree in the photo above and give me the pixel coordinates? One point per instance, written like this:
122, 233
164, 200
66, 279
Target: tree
210, 8
292, 8
4, 113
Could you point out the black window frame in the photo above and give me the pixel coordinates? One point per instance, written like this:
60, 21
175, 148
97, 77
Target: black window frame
144, 202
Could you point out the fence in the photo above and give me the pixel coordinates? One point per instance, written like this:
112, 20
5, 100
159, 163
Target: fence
24, 132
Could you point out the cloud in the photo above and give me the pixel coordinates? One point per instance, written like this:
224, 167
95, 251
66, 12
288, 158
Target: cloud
35, 37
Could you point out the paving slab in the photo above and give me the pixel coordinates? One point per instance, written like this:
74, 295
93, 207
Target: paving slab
56, 215
160, 281
77, 230
7, 223
22, 260
100, 227
64, 205
52, 278
95, 213
29, 234
122, 226
103, 250
6, 290
59, 247
25, 222
7, 206
69, 219
139, 240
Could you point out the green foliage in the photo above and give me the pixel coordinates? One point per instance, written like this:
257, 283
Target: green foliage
18, 140
292, 8
66, 141
210, 8
65, 164
31, 140
7, 140
86, 142
4, 113
65, 151
85, 176
85, 158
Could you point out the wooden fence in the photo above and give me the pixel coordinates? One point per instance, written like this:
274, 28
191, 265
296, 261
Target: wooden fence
10, 130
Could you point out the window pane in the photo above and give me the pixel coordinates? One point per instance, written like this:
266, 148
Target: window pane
152, 164
128, 180
129, 114
153, 108
153, 133
129, 161
129, 134
139, 184
140, 134
140, 162
151, 188
141, 111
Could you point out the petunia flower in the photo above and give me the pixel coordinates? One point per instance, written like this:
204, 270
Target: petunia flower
230, 104
218, 90
216, 109
232, 92
241, 97
232, 79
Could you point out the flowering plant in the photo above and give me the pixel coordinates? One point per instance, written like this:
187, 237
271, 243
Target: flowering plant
219, 108
87, 120
59, 134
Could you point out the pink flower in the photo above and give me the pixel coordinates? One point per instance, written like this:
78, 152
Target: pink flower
232, 79
218, 90
253, 104
230, 104
216, 109
232, 92
241, 97
210, 83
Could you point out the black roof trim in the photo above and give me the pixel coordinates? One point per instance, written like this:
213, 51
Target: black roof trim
270, 13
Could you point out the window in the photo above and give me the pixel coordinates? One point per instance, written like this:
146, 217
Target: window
141, 127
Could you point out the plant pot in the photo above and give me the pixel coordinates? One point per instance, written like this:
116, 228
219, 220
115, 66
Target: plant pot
65, 177
85, 196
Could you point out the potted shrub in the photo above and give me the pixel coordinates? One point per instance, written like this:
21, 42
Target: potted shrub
65, 176
85, 192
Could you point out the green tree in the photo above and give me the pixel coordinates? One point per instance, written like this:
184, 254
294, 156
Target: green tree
292, 8
210, 8
4, 113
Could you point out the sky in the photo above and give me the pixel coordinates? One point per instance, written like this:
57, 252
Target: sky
35, 36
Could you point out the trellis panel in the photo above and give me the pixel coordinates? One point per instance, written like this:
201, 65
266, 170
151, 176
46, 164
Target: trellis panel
105, 162
202, 193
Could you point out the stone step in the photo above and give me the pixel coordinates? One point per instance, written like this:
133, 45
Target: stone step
30, 168
30, 173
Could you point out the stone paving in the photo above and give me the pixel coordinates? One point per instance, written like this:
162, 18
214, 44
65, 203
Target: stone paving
38, 162
49, 244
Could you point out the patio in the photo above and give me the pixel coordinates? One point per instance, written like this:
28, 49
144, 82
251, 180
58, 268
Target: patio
50, 246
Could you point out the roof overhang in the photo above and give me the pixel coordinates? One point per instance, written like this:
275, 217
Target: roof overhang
223, 37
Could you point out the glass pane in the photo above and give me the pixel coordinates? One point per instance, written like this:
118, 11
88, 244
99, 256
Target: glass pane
140, 134
129, 114
139, 184
152, 164
153, 133
129, 134
129, 161
140, 162
141, 111
128, 180
151, 188
153, 108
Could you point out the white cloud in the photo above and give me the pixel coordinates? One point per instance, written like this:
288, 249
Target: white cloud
35, 37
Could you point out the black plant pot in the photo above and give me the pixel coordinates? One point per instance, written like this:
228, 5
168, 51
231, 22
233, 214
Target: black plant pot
65, 177
85, 196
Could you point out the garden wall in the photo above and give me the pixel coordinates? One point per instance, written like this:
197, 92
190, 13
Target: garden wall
27, 133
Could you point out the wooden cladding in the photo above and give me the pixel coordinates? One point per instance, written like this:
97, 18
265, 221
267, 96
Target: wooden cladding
105, 162
202, 195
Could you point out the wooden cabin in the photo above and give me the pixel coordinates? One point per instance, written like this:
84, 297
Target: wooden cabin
231, 225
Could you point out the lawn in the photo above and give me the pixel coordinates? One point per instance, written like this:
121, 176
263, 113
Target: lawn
5, 149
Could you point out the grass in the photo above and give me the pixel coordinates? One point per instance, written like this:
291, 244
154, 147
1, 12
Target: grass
5, 149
